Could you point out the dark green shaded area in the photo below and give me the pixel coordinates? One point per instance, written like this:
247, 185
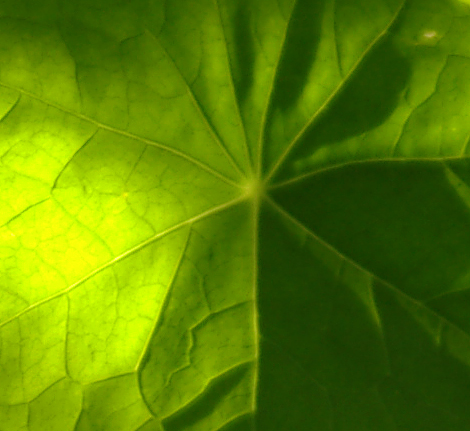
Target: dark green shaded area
244, 50
454, 306
315, 332
298, 55
428, 388
367, 100
361, 410
207, 403
402, 221
241, 423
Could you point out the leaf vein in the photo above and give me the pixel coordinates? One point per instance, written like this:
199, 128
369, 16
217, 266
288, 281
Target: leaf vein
210, 127
366, 161
232, 88
270, 95
126, 134
209, 382
335, 92
122, 256
290, 218
28, 208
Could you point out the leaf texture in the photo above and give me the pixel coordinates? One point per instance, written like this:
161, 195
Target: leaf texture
234, 215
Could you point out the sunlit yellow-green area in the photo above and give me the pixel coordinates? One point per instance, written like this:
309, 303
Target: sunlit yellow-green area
234, 215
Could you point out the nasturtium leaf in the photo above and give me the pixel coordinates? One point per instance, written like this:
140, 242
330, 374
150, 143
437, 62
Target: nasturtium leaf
234, 215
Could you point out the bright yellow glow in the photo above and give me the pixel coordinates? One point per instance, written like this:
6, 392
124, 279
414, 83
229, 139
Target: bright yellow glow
254, 188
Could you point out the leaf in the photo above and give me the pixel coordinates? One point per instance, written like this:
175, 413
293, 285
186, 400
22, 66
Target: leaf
232, 215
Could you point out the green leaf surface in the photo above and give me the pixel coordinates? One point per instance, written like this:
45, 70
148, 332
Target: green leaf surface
234, 215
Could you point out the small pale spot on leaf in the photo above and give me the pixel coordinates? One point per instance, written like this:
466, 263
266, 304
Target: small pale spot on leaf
430, 34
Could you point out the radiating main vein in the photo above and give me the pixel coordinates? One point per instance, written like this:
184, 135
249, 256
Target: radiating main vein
210, 127
333, 95
126, 254
262, 131
333, 167
232, 87
126, 134
294, 221
164, 305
